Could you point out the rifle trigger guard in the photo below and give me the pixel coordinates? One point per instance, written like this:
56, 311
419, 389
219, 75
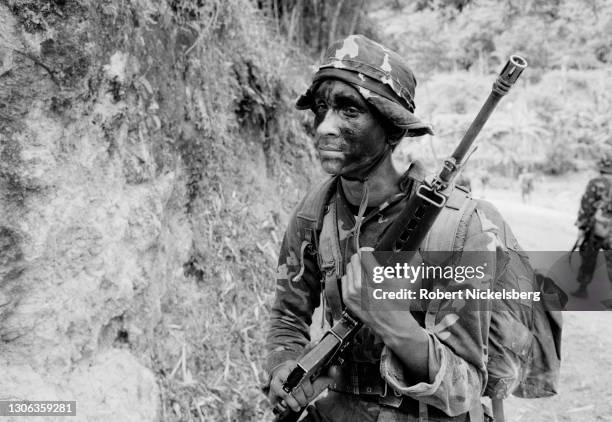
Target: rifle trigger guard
441, 198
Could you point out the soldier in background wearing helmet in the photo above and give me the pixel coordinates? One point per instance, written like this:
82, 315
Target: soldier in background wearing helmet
362, 98
594, 219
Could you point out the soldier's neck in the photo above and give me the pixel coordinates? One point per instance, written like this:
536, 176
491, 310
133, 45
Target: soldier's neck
383, 182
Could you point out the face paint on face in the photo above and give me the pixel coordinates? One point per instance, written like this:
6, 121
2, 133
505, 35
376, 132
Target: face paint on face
349, 137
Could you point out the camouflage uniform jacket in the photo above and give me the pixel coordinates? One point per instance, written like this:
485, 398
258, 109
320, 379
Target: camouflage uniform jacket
457, 344
597, 190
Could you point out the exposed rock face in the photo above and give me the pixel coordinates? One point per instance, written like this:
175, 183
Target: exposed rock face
114, 123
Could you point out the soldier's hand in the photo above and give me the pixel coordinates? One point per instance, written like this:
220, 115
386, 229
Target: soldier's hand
379, 318
357, 277
302, 395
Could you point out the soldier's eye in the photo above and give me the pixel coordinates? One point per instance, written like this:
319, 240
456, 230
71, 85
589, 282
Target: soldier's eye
350, 111
319, 107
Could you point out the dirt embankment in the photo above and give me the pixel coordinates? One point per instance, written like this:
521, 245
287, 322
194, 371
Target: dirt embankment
141, 147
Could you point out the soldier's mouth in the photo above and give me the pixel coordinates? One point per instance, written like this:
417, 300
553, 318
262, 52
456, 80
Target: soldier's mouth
329, 148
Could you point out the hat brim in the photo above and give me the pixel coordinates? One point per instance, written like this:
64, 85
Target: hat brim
399, 116
395, 113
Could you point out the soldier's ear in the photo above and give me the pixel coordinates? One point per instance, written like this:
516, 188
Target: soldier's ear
395, 135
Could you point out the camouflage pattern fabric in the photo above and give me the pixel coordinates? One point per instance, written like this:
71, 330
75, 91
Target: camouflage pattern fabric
458, 351
604, 164
597, 190
336, 407
597, 195
589, 251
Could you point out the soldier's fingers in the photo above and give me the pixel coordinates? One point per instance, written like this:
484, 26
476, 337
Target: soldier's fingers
319, 385
276, 393
280, 407
308, 390
300, 396
276, 384
292, 403
333, 372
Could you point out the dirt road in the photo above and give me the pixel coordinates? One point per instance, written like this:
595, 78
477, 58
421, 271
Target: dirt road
586, 371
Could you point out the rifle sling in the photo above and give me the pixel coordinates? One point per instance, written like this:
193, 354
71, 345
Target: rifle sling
332, 262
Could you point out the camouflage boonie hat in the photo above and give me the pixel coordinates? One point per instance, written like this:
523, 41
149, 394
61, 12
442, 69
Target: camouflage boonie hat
604, 163
379, 74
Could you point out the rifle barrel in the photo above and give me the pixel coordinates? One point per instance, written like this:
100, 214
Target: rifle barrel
505, 80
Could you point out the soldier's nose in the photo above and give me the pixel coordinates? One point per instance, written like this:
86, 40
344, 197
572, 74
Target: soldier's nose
329, 126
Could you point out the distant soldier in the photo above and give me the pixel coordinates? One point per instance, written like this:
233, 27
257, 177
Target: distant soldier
526, 180
595, 224
484, 182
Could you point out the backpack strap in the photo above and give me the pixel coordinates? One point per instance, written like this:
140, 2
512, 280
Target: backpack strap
445, 240
309, 220
449, 230
498, 409
331, 261
311, 210
453, 218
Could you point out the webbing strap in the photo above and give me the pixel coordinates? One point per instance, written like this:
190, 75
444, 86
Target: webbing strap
446, 236
446, 233
332, 261
423, 414
311, 208
498, 410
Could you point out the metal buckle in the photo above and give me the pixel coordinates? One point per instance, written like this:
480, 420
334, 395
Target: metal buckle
442, 199
384, 391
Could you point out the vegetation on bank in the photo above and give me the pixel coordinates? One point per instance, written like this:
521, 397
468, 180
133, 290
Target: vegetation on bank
199, 93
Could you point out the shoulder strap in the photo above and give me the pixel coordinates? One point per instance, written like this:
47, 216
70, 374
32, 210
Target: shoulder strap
608, 196
311, 211
448, 232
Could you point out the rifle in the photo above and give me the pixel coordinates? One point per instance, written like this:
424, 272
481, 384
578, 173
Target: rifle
580, 240
406, 233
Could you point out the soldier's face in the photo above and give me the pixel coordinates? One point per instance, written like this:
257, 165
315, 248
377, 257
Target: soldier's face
348, 135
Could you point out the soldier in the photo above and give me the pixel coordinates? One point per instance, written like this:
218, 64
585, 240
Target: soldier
526, 180
484, 182
362, 98
593, 219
